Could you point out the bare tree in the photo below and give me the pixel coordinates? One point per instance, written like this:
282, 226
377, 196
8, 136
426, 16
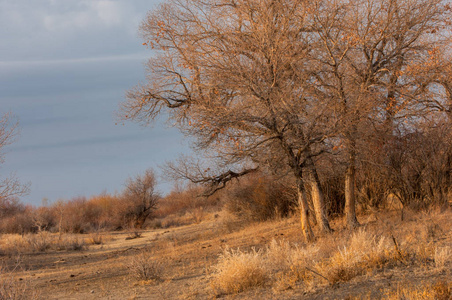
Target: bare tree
369, 60
140, 198
276, 83
10, 187
233, 75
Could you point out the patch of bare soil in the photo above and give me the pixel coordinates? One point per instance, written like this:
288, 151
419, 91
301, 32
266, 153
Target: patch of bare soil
188, 254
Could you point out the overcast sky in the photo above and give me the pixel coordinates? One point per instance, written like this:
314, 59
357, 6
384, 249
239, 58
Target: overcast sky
64, 67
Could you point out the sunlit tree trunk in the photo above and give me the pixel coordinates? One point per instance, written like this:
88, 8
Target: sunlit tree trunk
318, 198
304, 212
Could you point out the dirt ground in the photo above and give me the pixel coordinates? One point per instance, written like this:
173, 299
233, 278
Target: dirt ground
188, 253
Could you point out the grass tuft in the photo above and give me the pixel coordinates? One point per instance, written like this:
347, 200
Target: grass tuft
238, 271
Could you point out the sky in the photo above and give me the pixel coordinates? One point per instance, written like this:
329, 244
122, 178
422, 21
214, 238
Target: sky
65, 66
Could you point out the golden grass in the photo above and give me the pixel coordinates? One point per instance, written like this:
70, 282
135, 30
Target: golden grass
441, 290
361, 253
335, 258
237, 271
43, 241
442, 257
96, 239
284, 264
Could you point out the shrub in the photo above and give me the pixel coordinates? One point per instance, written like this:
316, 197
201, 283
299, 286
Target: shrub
185, 200
38, 242
259, 199
21, 222
145, 267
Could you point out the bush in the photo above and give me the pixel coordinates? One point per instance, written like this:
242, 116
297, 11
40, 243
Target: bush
145, 267
185, 200
38, 242
259, 199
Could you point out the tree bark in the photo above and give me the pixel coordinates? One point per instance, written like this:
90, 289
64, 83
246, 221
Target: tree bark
350, 204
318, 198
304, 212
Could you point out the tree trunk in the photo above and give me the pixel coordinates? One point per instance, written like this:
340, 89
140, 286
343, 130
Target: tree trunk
318, 198
304, 212
350, 176
141, 219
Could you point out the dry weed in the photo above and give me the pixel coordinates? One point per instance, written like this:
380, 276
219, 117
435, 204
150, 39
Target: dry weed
228, 222
442, 257
237, 271
198, 214
12, 288
145, 267
284, 265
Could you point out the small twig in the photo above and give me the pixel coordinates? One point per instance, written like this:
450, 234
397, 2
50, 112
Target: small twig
318, 274
396, 245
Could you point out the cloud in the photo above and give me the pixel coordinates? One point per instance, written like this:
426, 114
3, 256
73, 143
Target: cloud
85, 15
64, 66
46, 29
109, 12
67, 61
78, 142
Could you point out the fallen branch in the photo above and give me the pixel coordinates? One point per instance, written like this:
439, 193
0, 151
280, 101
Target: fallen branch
318, 274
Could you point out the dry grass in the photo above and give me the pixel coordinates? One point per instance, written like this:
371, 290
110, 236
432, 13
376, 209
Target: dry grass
267, 260
95, 239
361, 253
339, 257
40, 242
442, 257
441, 290
198, 215
291, 264
237, 271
